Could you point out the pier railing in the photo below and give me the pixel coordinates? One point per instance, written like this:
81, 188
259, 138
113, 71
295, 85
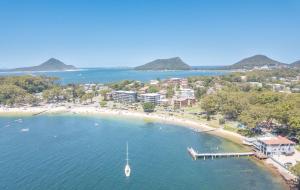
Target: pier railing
195, 155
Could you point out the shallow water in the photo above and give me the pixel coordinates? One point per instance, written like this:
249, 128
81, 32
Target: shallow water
81, 152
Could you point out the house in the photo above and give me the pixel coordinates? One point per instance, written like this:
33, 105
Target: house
278, 87
164, 102
187, 93
244, 78
180, 102
255, 84
154, 82
124, 96
295, 90
143, 90
183, 102
184, 83
174, 81
150, 97
275, 146
108, 96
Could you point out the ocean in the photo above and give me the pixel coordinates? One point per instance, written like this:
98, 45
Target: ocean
73, 152
103, 75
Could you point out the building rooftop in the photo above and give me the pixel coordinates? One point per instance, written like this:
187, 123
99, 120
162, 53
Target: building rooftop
277, 141
123, 91
150, 94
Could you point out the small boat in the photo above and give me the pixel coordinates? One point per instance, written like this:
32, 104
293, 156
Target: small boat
127, 167
25, 130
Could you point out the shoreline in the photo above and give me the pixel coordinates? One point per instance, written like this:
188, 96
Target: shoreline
152, 117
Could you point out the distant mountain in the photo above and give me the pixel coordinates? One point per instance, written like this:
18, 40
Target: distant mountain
174, 63
50, 65
296, 64
255, 61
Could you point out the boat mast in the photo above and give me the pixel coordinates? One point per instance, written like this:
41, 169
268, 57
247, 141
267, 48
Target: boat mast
127, 153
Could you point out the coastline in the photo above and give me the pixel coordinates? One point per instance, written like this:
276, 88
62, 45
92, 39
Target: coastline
151, 117
90, 110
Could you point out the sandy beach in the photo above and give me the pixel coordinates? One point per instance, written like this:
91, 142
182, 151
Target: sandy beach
91, 110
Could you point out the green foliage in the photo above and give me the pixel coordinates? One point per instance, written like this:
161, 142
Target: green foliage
86, 97
199, 92
148, 107
55, 94
221, 121
32, 84
170, 91
153, 89
296, 169
210, 104
103, 103
15, 90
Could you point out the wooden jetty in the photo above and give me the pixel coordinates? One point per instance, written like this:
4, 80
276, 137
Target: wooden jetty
196, 155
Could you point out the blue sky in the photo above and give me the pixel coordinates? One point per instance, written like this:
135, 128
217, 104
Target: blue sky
106, 33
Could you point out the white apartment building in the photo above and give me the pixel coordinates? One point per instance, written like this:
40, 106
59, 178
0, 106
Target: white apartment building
124, 96
150, 97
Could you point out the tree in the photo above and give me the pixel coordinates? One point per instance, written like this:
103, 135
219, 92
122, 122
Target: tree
210, 105
12, 95
87, 96
103, 103
148, 107
170, 91
200, 92
153, 89
55, 94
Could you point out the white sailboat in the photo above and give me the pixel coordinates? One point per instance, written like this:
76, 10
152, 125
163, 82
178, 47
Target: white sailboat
127, 167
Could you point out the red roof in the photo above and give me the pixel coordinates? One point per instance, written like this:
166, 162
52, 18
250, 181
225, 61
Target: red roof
278, 140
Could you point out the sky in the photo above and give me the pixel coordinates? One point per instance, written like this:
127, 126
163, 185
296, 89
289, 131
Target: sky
109, 33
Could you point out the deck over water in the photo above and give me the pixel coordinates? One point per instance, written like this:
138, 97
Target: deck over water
196, 155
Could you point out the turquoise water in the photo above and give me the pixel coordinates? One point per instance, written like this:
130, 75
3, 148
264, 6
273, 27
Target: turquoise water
71, 152
113, 75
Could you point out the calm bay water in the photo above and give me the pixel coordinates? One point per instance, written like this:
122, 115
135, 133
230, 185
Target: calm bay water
113, 75
73, 152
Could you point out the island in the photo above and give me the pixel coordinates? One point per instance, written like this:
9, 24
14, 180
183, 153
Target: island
174, 63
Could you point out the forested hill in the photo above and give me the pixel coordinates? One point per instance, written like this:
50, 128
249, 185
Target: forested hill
50, 65
174, 63
255, 61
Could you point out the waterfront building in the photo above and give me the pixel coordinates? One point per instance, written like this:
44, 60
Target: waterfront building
150, 97
124, 96
275, 146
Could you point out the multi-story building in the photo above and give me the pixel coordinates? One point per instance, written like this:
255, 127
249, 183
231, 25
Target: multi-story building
124, 96
150, 97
